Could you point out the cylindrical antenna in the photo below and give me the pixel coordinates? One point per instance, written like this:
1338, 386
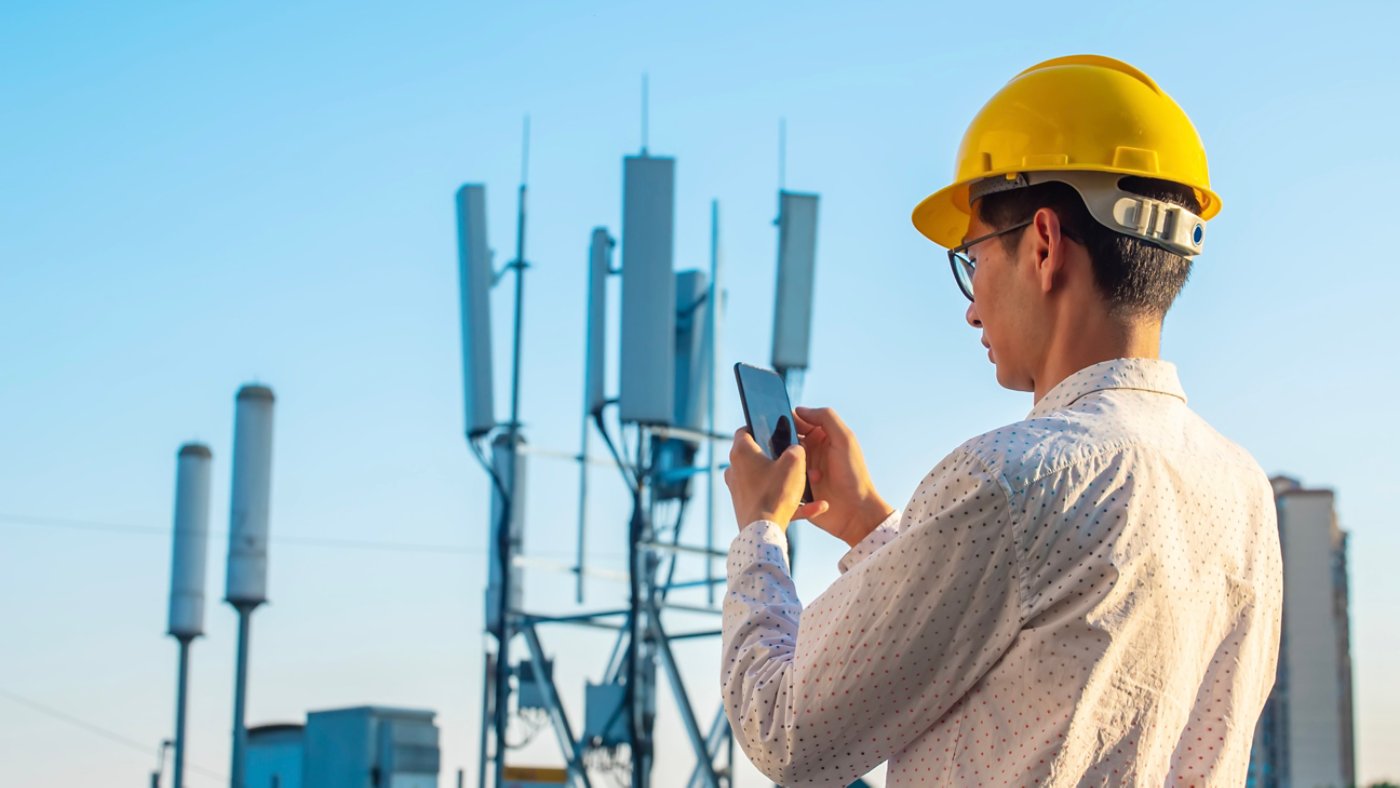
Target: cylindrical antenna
190, 549
190, 542
250, 499
250, 502
645, 113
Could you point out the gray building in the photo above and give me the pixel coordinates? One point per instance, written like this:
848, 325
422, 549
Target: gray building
1304, 737
274, 756
360, 747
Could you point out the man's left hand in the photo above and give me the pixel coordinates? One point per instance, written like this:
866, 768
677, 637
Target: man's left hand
764, 489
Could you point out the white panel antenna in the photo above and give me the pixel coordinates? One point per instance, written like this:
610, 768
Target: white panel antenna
648, 290
692, 351
476, 277
797, 255
599, 267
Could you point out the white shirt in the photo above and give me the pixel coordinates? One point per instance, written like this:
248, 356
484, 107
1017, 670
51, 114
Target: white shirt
1089, 596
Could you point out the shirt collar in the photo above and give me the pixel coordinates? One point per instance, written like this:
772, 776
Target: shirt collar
1141, 374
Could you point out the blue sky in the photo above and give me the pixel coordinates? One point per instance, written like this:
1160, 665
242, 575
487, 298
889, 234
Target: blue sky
196, 196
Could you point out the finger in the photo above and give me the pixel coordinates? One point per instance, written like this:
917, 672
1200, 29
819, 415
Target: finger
825, 417
813, 437
809, 510
814, 474
744, 447
803, 426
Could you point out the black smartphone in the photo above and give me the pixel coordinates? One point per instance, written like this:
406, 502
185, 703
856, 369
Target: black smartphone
768, 412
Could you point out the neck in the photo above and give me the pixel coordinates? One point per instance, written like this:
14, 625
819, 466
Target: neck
1091, 336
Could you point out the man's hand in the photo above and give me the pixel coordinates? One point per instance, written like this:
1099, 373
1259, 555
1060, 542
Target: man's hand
764, 489
837, 471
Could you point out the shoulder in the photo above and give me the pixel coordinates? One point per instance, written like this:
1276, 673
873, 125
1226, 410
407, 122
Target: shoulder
1022, 452
1108, 430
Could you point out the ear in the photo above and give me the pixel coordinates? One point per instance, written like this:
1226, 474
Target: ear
1047, 250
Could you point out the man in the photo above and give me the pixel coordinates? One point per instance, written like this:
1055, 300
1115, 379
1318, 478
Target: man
1088, 596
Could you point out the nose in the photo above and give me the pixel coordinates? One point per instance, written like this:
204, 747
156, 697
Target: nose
973, 319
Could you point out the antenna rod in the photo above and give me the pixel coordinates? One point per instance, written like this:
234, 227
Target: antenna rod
504, 546
519, 266
782, 154
525, 153
712, 329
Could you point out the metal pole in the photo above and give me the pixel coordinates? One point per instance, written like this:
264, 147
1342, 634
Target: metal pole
180, 696
582, 506
645, 113
788, 378
782, 154
486, 715
703, 760
712, 329
572, 749
503, 537
240, 696
634, 642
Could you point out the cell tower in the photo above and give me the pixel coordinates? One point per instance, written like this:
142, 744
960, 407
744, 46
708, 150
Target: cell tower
668, 352
249, 504
189, 556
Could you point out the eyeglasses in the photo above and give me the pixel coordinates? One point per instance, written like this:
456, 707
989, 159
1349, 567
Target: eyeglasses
964, 267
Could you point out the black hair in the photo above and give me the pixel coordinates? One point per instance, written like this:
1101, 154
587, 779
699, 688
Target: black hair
1136, 277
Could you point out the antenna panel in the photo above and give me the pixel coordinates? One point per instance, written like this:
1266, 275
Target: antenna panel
475, 275
599, 266
648, 290
797, 255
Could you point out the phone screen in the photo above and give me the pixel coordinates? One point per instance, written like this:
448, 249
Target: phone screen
767, 410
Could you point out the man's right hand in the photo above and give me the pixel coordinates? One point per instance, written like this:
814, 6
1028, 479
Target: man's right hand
836, 469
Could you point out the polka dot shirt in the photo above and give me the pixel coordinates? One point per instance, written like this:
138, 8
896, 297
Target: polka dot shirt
1090, 596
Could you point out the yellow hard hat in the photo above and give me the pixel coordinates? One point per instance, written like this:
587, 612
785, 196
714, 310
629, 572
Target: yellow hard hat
1076, 114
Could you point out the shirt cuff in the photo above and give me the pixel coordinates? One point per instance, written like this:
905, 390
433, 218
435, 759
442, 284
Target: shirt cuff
760, 540
883, 534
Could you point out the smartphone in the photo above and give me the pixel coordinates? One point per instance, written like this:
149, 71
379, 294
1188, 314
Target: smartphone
768, 412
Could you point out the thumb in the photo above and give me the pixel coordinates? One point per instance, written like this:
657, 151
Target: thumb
794, 455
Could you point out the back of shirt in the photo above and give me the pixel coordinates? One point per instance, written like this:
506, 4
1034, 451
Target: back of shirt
1151, 584
1089, 596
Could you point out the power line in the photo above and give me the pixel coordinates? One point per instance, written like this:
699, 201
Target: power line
95, 729
303, 541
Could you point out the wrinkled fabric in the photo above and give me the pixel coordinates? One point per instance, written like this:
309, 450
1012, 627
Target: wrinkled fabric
1091, 596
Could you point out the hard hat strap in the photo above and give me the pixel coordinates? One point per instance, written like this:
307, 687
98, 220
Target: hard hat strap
1165, 224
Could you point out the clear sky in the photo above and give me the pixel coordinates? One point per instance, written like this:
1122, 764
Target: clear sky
193, 196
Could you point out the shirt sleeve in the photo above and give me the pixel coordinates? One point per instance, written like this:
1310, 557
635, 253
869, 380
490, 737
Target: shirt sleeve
821, 696
883, 534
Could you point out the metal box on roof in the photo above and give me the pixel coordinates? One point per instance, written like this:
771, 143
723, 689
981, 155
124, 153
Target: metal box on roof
371, 747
